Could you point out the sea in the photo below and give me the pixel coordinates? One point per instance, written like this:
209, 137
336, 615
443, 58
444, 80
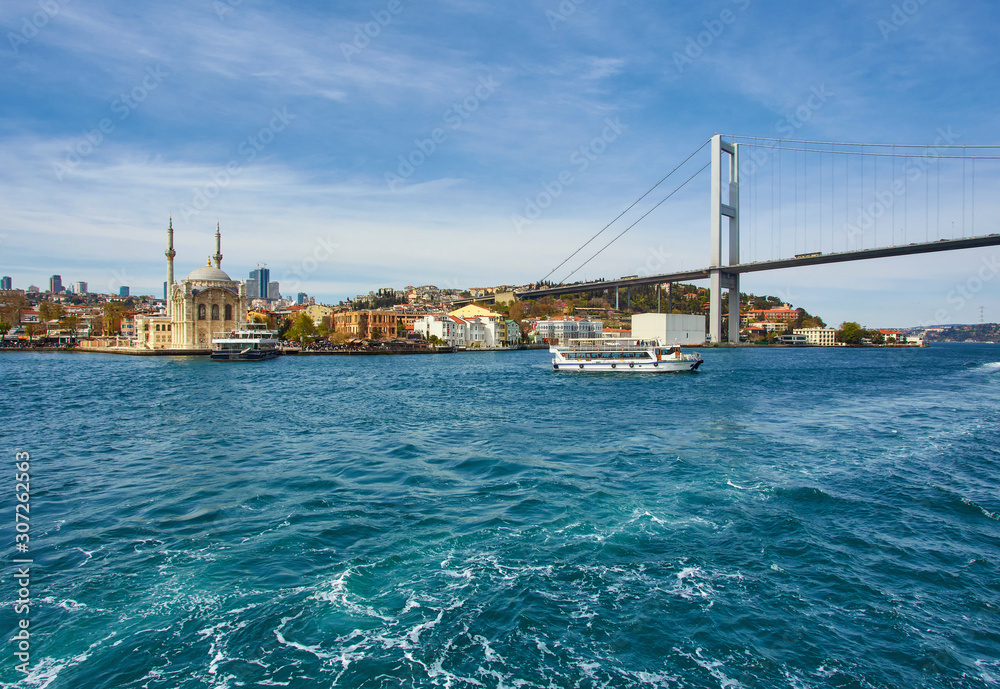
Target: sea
781, 518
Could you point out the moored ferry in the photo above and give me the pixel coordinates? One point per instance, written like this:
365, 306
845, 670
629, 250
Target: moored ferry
619, 354
254, 342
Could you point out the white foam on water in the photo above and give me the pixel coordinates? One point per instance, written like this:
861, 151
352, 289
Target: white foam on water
992, 515
314, 650
339, 595
712, 666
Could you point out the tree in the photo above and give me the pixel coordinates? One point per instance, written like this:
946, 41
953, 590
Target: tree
48, 311
71, 323
4, 327
303, 329
12, 306
850, 333
114, 312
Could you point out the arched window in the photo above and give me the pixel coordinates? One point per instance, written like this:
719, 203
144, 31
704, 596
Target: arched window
215, 312
229, 312
201, 312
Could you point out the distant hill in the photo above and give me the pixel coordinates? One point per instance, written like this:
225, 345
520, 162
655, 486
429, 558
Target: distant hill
985, 332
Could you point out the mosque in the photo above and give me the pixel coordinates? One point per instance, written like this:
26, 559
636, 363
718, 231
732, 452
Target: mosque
200, 306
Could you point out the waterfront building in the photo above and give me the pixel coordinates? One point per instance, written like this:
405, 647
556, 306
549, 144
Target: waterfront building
203, 304
794, 339
669, 328
317, 312
6, 283
367, 324
55, 284
818, 337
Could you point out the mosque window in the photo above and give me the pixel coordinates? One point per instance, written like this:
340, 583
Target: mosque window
201, 312
215, 312
229, 312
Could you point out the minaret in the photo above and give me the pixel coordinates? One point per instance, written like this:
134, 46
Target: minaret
218, 246
170, 253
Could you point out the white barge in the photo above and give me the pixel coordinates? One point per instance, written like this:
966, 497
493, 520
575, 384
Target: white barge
616, 354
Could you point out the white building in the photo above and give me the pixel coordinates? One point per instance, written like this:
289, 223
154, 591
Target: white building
669, 328
562, 328
478, 331
819, 337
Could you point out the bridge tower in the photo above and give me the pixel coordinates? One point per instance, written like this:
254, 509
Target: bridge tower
720, 279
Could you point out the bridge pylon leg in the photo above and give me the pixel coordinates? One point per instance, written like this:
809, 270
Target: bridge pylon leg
720, 279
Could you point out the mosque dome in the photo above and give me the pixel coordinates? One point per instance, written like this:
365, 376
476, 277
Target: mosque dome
209, 272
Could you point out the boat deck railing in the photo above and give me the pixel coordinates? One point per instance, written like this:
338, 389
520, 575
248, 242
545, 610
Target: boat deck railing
608, 344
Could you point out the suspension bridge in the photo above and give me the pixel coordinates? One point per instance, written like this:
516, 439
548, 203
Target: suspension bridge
847, 202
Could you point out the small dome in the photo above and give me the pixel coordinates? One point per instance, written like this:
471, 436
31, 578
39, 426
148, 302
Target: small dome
208, 273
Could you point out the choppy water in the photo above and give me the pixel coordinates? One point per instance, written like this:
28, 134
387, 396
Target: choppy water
783, 518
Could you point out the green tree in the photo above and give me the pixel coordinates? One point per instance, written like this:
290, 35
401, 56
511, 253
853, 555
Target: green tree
850, 333
114, 312
303, 329
4, 327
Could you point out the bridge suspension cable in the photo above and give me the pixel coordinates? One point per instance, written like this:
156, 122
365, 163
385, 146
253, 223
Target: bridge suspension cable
584, 245
676, 189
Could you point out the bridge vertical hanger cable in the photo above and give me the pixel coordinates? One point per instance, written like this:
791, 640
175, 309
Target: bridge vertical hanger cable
906, 198
927, 203
963, 193
973, 228
937, 182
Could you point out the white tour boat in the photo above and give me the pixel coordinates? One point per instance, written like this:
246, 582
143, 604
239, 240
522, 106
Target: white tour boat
617, 354
253, 342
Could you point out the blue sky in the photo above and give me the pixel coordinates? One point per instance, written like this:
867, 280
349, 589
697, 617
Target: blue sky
351, 146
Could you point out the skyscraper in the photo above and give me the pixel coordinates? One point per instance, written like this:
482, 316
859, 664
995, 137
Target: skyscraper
55, 284
80, 287
301, 298
123, 291
6, 282
272, 290
261, 276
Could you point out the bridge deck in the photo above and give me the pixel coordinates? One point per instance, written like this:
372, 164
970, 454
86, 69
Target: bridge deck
704, 273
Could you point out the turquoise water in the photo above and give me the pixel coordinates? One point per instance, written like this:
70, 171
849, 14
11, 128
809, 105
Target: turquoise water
783, 518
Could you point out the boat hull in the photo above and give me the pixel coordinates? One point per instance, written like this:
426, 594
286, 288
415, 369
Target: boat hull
253, 355
684, 366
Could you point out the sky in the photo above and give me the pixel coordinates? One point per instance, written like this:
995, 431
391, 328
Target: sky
353, 146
